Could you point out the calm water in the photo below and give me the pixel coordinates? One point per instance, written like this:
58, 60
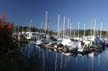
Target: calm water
38, 59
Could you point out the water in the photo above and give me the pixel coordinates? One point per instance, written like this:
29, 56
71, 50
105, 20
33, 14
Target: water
40, 59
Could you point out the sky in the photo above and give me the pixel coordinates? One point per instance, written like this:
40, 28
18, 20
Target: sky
84, 11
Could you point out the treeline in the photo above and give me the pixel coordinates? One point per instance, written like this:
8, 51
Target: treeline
91, 32
32, 29
67, 32
88, 32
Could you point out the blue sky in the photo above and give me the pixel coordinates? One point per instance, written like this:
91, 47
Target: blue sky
21, 11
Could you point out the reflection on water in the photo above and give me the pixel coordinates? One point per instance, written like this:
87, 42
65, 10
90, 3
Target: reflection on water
40, 59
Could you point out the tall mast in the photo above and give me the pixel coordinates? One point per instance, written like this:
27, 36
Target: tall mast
30, 25
91, 29
74, 34
64, 27
84, 30
78, 29
48, 28
58, 34
101, 30
94, 27
70, 29
68, 32
46, 22
41, 27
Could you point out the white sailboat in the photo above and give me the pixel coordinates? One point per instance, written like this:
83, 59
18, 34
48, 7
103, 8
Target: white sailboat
66, 41
80, 48
29, 33
90, 39
42, 40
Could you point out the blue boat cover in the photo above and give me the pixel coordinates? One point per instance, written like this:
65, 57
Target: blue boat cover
99, 42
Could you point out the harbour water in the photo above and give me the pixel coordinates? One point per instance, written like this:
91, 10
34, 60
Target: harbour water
40, 59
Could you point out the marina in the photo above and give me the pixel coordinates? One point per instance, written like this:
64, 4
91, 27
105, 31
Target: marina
51, 52
53, 35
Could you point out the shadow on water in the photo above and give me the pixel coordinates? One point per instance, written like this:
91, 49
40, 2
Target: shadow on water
30, 58
41, 59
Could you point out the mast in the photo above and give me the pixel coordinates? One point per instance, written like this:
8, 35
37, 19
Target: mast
64, 27
78, 30
58, 34
46, 22
94, 33
74, 34
30, 25
101, 30
48, 28
84, 30
41, 27
68, 29
91, 29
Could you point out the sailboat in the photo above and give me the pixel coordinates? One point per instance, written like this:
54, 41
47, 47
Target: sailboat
43, 40
95, 41
66, 41
80, 47
29, 33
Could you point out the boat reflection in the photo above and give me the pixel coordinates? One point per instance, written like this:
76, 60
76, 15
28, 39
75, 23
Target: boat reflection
41, 59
